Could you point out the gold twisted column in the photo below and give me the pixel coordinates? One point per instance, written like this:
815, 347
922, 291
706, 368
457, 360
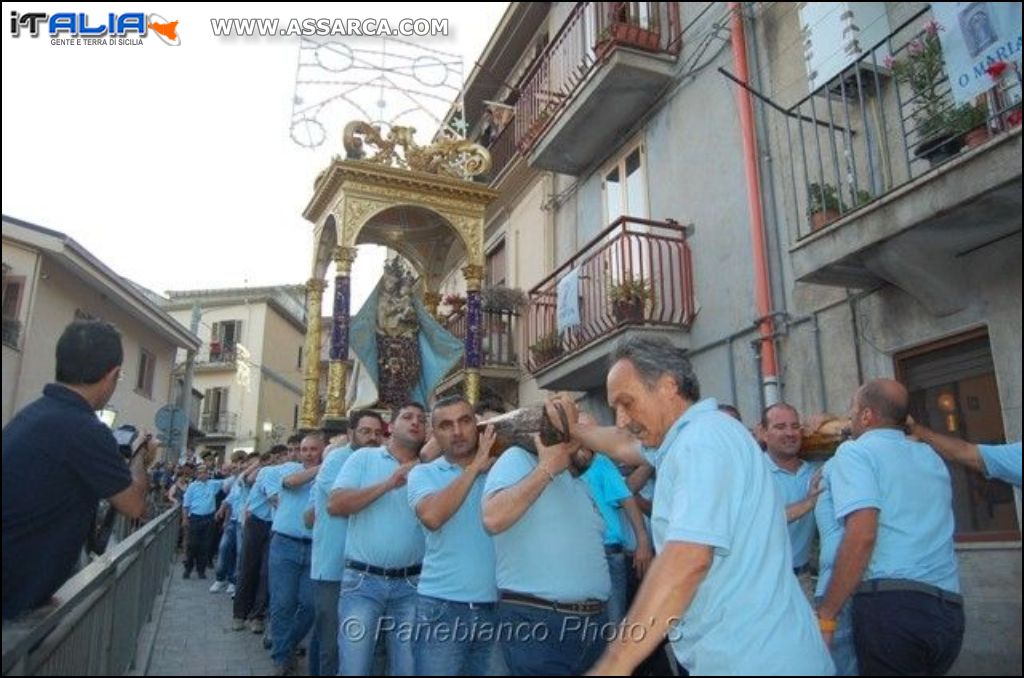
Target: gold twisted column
337, 374
311, 379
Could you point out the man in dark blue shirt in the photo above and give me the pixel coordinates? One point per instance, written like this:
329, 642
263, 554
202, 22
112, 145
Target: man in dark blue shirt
59, 460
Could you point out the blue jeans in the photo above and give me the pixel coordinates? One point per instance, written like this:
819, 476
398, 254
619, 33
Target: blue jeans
539, 642
323, 647
291, 595
844, 652
227, 553
372, 607
617, 570
456, 639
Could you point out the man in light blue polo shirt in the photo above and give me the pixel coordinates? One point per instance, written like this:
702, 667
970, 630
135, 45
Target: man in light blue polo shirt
455, 621
291, 590
722, 585
830, 535
896, 558
552, 574
797, 479
250, 604
197, 509
1002, 462
328, 560
383, 548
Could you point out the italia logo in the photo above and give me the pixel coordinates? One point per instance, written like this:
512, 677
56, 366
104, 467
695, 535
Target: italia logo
72, 25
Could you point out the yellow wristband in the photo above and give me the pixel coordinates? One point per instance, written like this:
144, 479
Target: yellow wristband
827, 625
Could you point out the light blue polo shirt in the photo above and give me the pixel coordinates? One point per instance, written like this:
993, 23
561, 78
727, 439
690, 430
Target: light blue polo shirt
328, 557
1002, 462
793, 487
386, 533
459, 561
236, 499
909, 485
628, 537
268, 484
292, 503
608, 490
830, 530
201, 497
555, 550
715, 489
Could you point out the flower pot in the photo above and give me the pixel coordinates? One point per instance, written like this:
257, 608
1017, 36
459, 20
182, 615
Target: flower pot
939, 148
822, 218
977, 136
628, 310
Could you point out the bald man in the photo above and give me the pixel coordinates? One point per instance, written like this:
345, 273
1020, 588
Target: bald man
894, 499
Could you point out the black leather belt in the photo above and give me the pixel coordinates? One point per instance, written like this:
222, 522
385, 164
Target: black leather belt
301, 540
613, 549
806, 567
581, 607
883, 585
389, 572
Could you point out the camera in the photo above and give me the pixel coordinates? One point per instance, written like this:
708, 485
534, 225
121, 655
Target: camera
129, 440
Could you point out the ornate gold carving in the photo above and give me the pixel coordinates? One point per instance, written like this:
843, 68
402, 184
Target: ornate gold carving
431, 300
336, 376
474, 274
311, 379
473, 385
456, 158
343, 258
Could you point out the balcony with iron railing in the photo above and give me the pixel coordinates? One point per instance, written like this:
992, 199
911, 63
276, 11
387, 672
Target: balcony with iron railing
621, 52
219, 424
500, 359
888, 175
637, 274
217, 356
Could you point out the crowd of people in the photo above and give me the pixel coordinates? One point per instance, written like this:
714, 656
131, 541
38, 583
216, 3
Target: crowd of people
673, 541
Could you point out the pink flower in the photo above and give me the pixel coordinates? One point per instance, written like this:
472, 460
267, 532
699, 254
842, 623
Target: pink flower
916, 48
996, 69
1013, 118
888, 62
932, 28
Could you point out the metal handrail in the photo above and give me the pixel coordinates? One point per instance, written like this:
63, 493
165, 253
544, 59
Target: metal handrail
94, 628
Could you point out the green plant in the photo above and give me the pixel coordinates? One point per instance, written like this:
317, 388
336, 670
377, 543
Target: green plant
547, 346
823, 198
924, 71
502, 298
630, 290
966, 117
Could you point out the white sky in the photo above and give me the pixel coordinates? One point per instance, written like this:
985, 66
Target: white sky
174, 165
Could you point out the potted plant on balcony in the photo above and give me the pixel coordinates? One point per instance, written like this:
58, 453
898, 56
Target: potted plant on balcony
629, 298
971, 120
923, 70
502, 298
547, 348
823, 204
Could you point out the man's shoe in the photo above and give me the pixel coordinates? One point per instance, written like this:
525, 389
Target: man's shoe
256, 625
202, 575
217, 586
186, 574
230, 590
238, 625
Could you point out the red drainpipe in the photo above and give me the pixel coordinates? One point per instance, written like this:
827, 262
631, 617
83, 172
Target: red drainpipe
762, 285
